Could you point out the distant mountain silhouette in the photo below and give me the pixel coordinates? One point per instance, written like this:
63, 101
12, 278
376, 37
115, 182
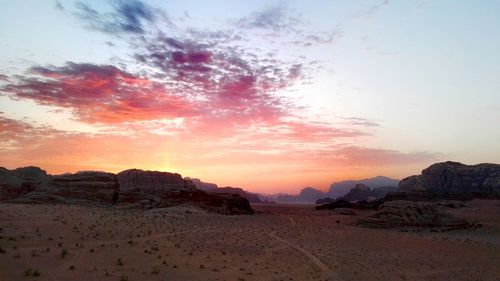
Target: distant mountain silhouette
306, 195
361, 192
341, 188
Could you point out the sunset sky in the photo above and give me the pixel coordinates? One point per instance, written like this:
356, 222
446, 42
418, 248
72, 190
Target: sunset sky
266, 95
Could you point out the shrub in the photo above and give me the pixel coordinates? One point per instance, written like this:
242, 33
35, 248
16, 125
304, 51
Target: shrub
64, 253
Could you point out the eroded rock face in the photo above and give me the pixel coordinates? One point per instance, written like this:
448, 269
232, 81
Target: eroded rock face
15, 183
453, 180
407, 214
153, 182
129, 189
152, 189
87, 188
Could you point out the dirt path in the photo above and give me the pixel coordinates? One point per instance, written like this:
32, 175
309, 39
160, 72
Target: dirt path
326, 270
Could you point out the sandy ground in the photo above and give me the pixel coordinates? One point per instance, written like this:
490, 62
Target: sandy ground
277, 243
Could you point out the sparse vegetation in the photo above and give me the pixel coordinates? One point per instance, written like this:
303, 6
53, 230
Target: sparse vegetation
31, 272
155, 271
64, 253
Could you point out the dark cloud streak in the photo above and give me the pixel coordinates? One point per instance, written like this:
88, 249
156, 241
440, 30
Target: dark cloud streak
127, 17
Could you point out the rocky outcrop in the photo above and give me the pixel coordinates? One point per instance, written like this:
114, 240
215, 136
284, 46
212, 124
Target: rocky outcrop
453, 180
129, 189
358, 193
153, 182
86, 188
201, 185
214, 188
342, 204
382, 191
153, 189
407, 214
251, 197
17, 182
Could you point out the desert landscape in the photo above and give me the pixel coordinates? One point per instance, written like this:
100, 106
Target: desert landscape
60, 230
276, 243
265, 140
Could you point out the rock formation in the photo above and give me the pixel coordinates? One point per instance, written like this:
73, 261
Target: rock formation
14, 183
453, 180
358, 193
128, 189
361, 192
201, 185
212, 187
251, 197
86, 188
406, 214
153, 182
152, 189
341, 203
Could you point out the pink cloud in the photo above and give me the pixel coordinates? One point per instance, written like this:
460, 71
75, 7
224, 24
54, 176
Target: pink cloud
99, 93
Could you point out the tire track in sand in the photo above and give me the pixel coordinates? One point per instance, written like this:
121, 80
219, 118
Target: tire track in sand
326, 270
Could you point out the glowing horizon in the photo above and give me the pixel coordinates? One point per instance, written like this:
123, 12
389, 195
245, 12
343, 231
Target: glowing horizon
271, 97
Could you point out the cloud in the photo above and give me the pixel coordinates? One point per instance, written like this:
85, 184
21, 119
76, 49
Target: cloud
58, 5
351, 155
98, 93
234, 83
202, 96
15, 134
283, 21
275, 18
126, 17
357, 121
4, 77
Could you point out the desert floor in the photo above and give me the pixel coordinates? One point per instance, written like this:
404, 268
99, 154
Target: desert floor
277, 243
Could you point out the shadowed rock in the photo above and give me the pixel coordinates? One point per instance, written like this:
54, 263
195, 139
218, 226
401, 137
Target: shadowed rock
86, 188
14, 183
153, 182
129, 189
360, 192
453, 180
153, 189
407, 214
251, 197
342, 203
201, 185
341, 188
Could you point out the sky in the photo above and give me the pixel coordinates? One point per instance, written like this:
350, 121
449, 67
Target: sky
270, 96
